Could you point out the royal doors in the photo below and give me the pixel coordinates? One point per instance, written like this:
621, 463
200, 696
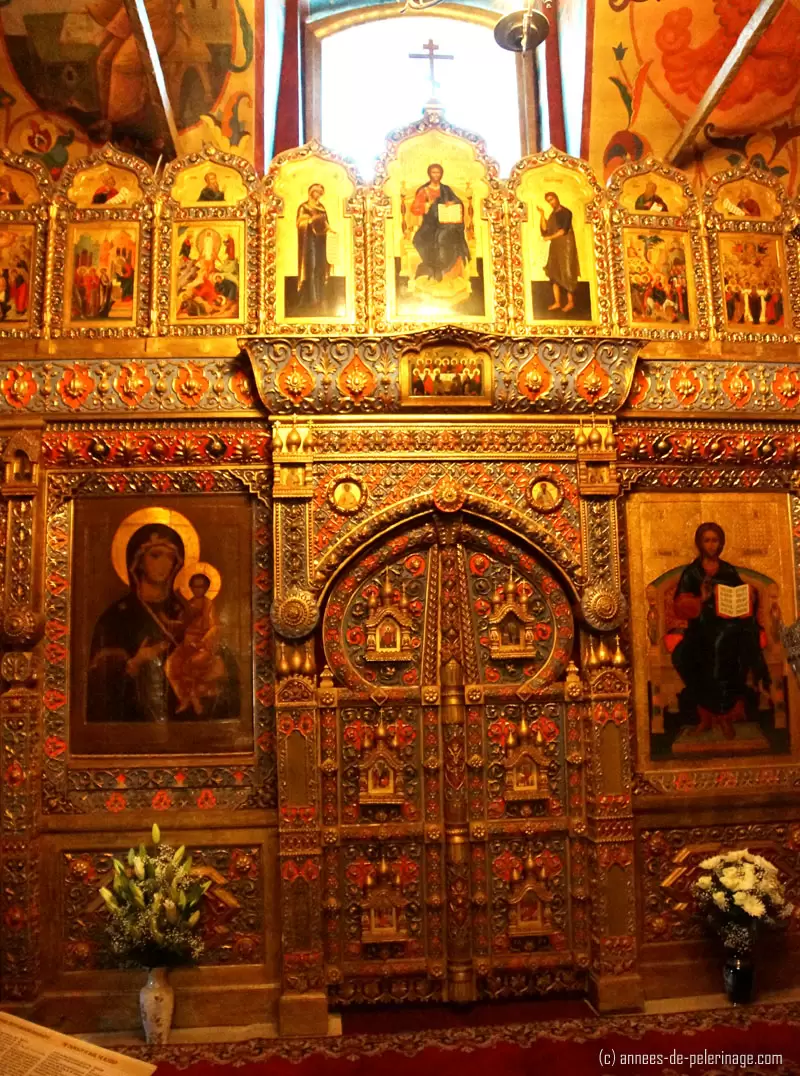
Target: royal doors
450, 744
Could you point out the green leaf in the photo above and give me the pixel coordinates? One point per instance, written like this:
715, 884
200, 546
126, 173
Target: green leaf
121, 885
156, 832
778, 170
625, 94
247, 41
619, 51
733, 159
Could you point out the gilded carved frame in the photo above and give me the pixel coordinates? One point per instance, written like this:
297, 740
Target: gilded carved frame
222, 782
384, 317
31, 213
721, 227
687, 223
67, 217
355, 219
595, 214
671, 471
242, 217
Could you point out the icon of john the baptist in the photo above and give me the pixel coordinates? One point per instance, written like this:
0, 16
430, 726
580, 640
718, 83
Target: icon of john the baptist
562, 267
135, 638
719, 658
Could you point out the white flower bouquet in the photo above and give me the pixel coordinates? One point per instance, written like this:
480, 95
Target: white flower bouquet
740, 893
155, 907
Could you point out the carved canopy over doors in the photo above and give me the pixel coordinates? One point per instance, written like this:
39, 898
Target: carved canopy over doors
518, 630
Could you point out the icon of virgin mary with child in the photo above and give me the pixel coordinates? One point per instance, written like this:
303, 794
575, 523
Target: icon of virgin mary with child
156, 656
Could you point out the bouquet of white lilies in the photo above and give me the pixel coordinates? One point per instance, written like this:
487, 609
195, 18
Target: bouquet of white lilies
740, 892
155, 907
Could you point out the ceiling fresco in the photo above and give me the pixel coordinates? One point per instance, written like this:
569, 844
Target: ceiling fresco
74, 76
652, 63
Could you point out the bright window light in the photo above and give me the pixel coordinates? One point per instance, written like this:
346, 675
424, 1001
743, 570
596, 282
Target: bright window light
370, 87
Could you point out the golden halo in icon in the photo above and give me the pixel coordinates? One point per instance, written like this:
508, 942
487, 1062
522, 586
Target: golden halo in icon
168, 518
199, 567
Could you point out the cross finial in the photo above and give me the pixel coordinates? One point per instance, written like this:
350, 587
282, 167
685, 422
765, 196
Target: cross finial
429, 55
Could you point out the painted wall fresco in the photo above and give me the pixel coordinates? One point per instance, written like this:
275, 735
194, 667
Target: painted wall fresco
652, 61
72, 77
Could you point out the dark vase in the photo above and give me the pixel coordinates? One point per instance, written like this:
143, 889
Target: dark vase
737, 975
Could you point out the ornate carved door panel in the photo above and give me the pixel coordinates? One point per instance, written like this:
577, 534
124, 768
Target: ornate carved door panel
451, 757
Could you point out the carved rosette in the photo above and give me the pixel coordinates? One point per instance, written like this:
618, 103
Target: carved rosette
296, 614
22, 626
604, 608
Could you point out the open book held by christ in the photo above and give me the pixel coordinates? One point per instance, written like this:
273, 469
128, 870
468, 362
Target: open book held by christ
734, 602
450, 213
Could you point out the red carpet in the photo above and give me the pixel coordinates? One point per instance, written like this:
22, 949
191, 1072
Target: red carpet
725, 1041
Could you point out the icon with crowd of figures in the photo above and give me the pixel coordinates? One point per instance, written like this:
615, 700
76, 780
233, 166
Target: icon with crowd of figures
658, 267
207, 271
102, 273
753, 280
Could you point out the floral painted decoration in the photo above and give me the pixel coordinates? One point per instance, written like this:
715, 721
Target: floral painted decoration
740, 893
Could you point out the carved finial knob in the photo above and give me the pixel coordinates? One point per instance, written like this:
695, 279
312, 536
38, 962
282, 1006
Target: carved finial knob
619, 661
293, 439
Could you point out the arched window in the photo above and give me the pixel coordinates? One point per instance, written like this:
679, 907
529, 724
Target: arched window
363, 84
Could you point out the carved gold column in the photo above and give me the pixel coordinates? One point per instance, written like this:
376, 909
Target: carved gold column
19, 711
52, 236
615, 982
303, 1007
456, 819
155, 283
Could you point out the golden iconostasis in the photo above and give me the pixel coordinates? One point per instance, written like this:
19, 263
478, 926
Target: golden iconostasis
209, 247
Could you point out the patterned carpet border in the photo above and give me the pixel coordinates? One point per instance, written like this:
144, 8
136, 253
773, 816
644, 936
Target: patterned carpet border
411, 1043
